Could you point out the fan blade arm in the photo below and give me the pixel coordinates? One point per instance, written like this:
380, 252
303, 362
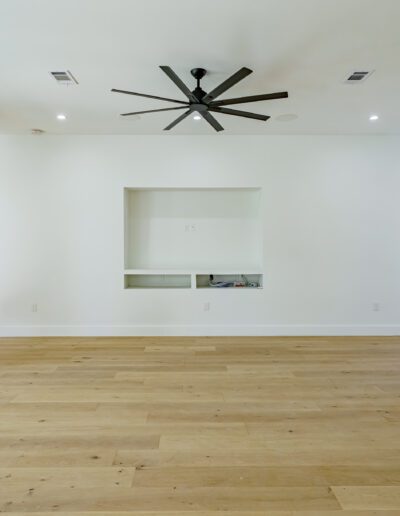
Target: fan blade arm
237, 112
114, 90
178, 82
251, 98
153, 111
211, 120
228, 83
177, 120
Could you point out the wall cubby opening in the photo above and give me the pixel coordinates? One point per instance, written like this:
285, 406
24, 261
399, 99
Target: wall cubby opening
157, 281
221, 281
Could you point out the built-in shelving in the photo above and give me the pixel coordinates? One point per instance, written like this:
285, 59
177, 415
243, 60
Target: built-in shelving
187, 238
142, 278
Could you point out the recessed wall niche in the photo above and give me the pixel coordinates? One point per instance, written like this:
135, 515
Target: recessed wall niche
188, 231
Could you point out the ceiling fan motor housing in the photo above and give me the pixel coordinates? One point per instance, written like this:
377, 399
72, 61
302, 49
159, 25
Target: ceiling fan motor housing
198, 73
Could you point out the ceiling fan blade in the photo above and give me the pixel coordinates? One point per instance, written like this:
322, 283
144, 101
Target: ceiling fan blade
211, 120
177, 120
236, 112
153, 111
252, 98
231, 81
181, 85
149, 96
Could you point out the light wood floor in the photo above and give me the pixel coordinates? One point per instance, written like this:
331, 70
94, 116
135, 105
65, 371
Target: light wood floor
200, 426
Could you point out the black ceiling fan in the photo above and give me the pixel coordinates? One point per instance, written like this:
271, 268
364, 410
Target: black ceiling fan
205, 103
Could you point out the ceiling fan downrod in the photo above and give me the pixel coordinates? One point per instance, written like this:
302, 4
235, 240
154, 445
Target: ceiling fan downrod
198, 74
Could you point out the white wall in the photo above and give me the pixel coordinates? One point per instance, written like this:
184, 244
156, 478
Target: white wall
331, 225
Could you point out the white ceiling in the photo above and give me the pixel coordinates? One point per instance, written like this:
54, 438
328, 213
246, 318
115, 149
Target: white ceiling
306, 47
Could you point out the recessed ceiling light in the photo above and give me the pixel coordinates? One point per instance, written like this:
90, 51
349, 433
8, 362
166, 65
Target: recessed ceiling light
197, 117
373, 118
61, 116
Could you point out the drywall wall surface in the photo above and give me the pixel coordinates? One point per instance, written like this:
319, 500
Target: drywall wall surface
330, 216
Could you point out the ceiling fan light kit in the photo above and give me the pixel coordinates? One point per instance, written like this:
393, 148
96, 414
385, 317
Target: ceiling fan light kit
204, 103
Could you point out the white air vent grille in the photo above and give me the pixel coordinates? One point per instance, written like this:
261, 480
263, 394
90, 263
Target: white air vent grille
64, 78
356, 77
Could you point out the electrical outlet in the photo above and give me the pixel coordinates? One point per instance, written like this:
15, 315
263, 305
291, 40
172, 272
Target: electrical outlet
207, 306
34, 308
376, 307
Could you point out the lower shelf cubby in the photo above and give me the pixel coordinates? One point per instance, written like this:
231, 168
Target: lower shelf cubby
157, 281
224, 281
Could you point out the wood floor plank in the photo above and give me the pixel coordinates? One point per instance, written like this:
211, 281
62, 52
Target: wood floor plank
64, 441
359, 457
169, 499
63, 457
65, 478
259, 476
361, 497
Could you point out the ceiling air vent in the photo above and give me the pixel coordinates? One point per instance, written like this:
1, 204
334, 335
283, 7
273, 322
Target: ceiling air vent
37, 131
355, 77
64, 78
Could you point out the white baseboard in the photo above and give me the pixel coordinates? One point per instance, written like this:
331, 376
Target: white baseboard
191, 330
